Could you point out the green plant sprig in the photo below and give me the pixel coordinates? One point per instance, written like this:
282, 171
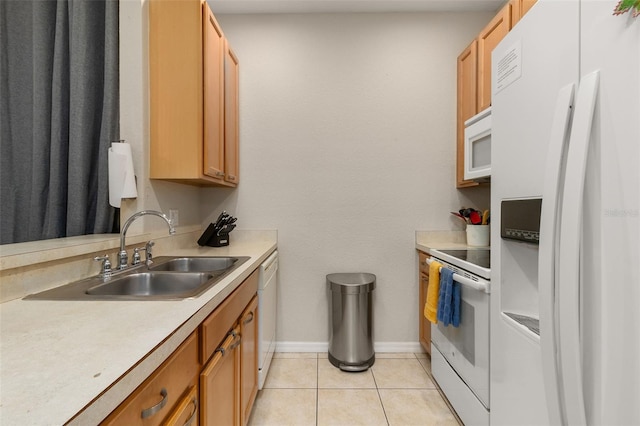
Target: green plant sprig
625, 6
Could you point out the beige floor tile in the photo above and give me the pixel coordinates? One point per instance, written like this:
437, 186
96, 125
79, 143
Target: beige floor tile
342, 407
392, 355
426, 363
309, 355
420, 355
280, 407
423, 407
401, 374
332, 377
292, 373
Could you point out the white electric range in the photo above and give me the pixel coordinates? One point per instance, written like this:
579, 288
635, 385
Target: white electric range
460, 355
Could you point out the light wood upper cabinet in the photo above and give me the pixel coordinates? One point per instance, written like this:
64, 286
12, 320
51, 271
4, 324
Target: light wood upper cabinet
474, 74
488, 39
187, 52
466, 104
231, 115
214, 47
519, 8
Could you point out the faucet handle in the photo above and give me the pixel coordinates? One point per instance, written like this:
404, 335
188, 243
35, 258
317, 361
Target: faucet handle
136, 256
148, 250
106, 265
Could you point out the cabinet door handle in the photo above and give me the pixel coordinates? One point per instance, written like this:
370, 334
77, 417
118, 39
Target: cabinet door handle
248, 320
194, 401
231, 177
226, 345
148, 412
220, 174
236, 343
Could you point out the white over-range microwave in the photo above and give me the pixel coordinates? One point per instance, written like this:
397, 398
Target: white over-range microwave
477, 147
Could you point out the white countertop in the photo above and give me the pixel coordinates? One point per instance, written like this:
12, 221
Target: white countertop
59, 359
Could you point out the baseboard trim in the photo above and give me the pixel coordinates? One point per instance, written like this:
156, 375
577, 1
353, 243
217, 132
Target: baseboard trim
382, 347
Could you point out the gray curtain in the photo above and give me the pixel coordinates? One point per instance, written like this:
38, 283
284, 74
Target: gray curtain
59, 108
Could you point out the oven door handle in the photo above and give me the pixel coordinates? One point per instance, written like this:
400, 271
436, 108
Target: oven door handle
480, 286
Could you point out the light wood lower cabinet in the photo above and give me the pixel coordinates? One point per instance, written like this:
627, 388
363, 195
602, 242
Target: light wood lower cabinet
249, 360
218, 391
424, 324
211, 379
186, 412
158, 396
229, 380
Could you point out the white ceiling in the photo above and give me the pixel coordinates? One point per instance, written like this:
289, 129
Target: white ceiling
347, 6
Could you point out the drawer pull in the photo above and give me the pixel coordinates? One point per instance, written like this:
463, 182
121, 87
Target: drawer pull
159, 406
194, 401
236, 343
248, 320
226, 346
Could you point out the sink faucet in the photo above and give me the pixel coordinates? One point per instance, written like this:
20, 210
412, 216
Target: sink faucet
123, 258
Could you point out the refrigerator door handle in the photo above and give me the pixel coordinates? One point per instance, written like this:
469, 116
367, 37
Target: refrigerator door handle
549, 224
570, 239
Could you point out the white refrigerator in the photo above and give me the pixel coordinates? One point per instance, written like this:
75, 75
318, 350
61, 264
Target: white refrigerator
565, 199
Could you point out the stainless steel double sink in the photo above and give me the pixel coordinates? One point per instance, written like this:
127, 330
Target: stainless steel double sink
167, 278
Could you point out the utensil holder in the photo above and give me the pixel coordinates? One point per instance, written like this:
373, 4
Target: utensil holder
218, 240
478, 235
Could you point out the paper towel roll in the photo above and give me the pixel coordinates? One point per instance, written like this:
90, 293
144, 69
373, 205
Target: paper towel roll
122, 180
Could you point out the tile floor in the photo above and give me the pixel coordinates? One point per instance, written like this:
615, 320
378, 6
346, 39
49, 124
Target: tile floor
306, 389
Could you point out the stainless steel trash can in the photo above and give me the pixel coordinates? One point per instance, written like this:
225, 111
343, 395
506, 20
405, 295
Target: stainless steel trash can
351, 325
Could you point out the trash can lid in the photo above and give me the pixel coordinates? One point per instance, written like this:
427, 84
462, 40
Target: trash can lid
359, 282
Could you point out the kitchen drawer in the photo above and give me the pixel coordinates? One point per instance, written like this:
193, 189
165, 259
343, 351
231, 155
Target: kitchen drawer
217, 325
423, 266
187, 410
157, 396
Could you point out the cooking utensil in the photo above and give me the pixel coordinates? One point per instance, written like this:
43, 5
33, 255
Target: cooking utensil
485, 217
475, 218
459, 215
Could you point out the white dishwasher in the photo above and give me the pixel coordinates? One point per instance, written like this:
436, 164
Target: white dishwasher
267, 301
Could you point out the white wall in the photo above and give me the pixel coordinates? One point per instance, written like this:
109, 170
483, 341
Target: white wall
347, 129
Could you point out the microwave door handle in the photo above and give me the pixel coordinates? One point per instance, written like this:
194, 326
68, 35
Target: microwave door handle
570, 241
549, 223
